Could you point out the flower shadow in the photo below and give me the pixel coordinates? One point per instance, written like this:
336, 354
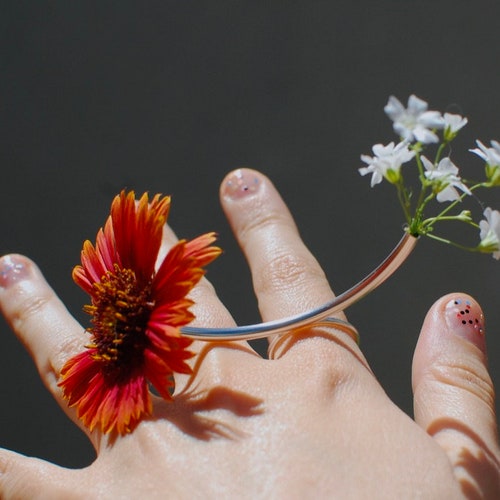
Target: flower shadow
192, 412
482, 466
192, 408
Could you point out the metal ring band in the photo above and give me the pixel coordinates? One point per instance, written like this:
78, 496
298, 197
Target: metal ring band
339, 324
279, 344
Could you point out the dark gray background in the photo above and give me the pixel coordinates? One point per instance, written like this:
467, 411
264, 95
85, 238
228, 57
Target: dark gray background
170, 95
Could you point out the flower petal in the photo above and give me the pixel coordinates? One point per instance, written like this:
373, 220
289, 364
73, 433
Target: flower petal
108, 403
138, 230
182, 267
449, 193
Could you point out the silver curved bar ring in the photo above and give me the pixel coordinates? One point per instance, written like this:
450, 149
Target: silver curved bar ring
320, 316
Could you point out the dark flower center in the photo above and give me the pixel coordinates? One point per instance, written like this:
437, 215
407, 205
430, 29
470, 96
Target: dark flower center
120, 312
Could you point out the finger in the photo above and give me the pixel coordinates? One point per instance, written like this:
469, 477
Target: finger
209, 358
40, 320
454, 395
208, 309
24, 477
287, 278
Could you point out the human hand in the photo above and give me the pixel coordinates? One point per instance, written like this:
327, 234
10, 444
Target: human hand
312, 421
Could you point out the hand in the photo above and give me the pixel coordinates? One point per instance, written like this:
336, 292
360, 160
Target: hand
310, 422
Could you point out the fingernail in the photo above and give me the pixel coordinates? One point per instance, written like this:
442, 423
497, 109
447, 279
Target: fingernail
240, 184
465, 319
12, 270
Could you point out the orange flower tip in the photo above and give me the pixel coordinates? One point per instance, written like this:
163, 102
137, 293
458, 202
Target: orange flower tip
212, 236
216, 251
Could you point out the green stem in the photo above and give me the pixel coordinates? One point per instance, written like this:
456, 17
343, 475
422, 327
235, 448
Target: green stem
424, 184
418, 225
439, 152
452, 243
431, 220
453, 204
420, 166
404, 199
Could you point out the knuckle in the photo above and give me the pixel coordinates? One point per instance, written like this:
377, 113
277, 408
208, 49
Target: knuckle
283, 271
32, 313
216, 372
27, 307
472, 378
68, 346
202, 289
262, 220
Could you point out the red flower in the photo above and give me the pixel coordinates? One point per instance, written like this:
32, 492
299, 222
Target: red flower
137, 311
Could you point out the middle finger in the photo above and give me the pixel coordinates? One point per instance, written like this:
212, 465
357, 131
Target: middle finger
287, 278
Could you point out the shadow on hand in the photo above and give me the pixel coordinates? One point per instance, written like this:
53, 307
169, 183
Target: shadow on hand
190, 408
190, 412
481, 464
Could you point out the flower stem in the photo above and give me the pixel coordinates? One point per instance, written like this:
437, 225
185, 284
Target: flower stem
452, 243
431, 220
404, 199
457, 201
440, 152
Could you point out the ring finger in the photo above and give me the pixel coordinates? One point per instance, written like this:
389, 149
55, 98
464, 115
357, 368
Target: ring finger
209, 312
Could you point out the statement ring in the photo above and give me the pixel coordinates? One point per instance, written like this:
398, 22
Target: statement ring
317, 316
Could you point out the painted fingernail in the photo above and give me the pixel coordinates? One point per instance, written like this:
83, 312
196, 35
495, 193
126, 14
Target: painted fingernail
465, 319
241, 183
12, 270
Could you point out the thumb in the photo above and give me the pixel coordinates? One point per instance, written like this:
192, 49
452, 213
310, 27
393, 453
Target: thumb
25, 477
454, 395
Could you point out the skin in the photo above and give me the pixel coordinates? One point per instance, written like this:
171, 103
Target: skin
311, 422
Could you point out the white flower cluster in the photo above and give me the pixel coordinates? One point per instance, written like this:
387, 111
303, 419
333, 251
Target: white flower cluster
414, 123
386, 162
444, 177
418, 128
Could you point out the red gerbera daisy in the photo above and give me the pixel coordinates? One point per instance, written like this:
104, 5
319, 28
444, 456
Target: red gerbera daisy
137, 311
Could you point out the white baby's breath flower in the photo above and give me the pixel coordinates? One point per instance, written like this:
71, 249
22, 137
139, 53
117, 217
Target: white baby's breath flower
414, 122
387, 162
444, 178
452, 124
490, 233
491, 156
